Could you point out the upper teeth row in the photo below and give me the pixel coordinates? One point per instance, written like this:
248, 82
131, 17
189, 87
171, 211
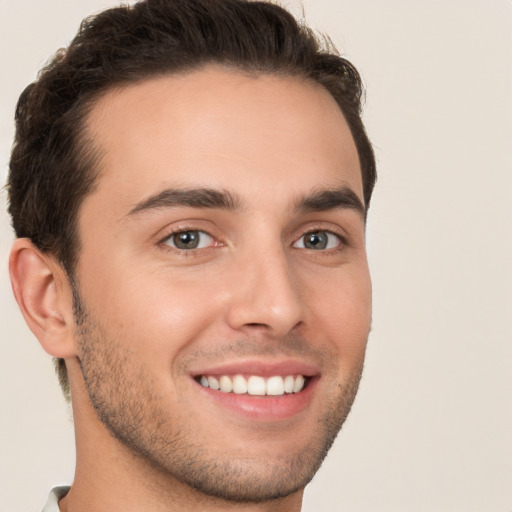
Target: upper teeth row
255, 385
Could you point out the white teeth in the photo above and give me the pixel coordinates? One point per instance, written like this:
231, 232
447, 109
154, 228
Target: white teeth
255, 385
299, 384
289, 382
239, 385
225, 384
213, 383
275, 386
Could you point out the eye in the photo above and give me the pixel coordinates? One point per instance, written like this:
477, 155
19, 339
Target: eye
187, 240
318, 241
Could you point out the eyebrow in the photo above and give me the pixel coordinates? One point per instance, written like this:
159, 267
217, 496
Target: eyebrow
331, 199
320, 200
191, 197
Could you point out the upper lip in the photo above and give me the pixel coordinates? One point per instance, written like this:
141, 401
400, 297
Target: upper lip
260, 367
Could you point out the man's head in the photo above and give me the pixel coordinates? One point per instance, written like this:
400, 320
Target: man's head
201, 173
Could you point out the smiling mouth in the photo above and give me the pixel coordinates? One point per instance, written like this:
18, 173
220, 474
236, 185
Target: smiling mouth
255, 385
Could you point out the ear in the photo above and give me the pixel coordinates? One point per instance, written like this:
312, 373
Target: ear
44, 296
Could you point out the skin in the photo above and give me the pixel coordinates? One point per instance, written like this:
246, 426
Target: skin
148, 437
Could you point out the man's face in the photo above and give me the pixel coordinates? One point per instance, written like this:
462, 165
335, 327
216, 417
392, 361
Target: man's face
224, 244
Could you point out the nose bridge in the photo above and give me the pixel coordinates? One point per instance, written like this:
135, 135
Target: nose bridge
267, 291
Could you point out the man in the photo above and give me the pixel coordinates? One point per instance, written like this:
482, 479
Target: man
189, 187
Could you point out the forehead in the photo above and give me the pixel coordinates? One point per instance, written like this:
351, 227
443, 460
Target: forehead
218, 128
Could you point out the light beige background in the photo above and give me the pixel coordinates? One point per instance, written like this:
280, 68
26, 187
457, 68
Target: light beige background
432, 427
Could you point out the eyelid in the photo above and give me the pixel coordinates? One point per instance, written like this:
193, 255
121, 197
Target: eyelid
328, 227
202, 234
183, 228
341, 240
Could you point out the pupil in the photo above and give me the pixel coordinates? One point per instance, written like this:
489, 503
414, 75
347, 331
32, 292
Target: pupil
186, 240
316, 240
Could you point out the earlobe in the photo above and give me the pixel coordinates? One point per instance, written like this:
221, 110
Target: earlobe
43, 295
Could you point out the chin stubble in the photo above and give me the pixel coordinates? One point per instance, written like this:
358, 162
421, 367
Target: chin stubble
126, 399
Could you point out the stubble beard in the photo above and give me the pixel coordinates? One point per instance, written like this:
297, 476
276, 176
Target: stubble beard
127, 401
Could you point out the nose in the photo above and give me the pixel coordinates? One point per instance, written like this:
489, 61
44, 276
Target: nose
266, 294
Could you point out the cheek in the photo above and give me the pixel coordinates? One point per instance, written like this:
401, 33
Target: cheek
342, 309
149, 309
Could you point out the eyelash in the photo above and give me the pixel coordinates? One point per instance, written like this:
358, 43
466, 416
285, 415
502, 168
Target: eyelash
185, 252
341, 240
191, 252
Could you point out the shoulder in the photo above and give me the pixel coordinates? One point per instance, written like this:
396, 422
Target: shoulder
52, 504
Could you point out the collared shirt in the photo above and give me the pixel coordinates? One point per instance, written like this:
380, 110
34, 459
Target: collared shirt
52, 504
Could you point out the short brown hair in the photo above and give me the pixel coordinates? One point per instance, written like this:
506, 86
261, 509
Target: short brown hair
52, 166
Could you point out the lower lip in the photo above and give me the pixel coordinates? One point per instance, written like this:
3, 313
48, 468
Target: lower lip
264, 408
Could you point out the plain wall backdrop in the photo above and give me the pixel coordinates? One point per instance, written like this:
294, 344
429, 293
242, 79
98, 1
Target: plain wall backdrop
431, 429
